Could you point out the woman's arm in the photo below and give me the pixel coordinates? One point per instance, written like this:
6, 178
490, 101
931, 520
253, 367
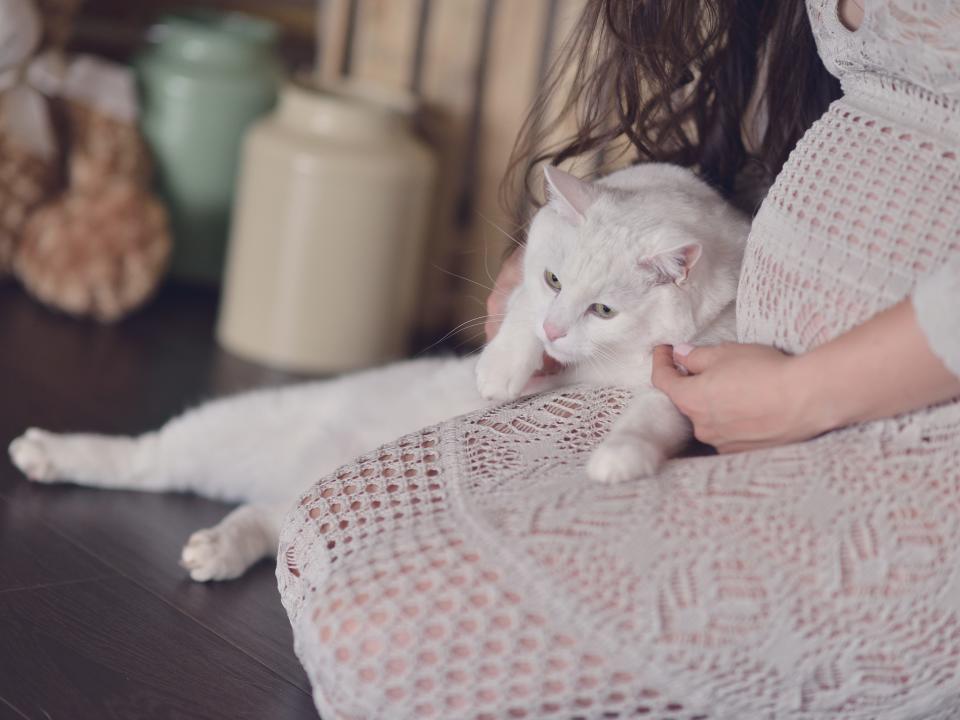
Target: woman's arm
742, 397
510, 275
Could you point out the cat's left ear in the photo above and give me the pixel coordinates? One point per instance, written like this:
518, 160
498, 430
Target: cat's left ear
569, 196
675, 264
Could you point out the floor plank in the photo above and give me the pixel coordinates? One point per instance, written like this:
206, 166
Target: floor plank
8, 710
140, 536
32, 556
142, 659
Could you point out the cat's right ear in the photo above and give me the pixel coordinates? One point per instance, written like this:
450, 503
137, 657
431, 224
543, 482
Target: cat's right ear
569, 196
675, 264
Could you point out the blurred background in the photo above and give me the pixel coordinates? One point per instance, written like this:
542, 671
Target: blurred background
329, 169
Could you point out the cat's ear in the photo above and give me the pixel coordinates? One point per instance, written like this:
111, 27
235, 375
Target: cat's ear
569, 196
675, 264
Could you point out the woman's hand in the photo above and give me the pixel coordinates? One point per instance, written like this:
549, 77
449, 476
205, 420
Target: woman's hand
738, 397
743, 397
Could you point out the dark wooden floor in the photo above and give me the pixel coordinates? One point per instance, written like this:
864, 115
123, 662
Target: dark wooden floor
97, 620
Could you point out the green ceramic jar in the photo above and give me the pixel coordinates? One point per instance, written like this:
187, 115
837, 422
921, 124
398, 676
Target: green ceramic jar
204, 78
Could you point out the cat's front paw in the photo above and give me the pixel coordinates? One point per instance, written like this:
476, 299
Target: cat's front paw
210, 555
502, 375
33, 454
619, 459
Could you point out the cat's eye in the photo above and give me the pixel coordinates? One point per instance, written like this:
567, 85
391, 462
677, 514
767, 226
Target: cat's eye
601, 310
552, 280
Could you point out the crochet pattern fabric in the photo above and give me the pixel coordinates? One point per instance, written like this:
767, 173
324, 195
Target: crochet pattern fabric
472, 571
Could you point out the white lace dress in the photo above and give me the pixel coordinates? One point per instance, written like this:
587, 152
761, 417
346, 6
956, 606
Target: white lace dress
471, 570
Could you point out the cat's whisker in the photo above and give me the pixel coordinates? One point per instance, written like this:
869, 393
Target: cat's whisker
610, 358
470, 340
486, 265
595, 364
465, 325
486, 248
474, 300
469, 280
450, 334
502, 231
607, 355
486, 261
603, 354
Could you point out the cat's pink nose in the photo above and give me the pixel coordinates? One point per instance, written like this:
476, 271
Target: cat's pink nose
552, 331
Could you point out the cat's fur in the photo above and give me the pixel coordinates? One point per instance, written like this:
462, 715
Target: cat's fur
652, 242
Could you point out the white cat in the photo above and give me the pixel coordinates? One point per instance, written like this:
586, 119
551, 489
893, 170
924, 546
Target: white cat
647, 255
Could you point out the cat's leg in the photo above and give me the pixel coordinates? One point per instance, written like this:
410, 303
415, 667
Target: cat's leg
509, 360
650, 430
225, 551
88, 459
235, 448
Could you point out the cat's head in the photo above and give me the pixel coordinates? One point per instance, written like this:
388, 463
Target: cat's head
613, 268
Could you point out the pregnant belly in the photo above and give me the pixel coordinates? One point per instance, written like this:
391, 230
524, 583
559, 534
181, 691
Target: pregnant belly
863, 208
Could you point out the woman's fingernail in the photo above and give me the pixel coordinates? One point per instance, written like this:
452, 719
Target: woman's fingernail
683, 349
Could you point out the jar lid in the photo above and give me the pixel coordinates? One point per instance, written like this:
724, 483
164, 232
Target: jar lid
228, 40
346, 108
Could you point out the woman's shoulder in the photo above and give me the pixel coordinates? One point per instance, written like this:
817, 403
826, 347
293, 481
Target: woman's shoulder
907, 40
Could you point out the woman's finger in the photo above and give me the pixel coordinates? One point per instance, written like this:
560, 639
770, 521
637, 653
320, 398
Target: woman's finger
695, 359
665, 374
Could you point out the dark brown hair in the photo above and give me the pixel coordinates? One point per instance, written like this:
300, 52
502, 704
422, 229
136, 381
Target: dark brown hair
673, 79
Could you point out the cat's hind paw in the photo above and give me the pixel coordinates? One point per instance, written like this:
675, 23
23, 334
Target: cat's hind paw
33, 456
209, 555
618, 460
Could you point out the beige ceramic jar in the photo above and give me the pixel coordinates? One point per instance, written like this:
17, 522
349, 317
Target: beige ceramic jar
328, 232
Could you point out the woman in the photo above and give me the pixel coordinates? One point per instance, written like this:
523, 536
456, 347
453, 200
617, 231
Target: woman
489, 579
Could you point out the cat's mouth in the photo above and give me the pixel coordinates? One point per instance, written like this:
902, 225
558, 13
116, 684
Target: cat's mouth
561, 357
548, 366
